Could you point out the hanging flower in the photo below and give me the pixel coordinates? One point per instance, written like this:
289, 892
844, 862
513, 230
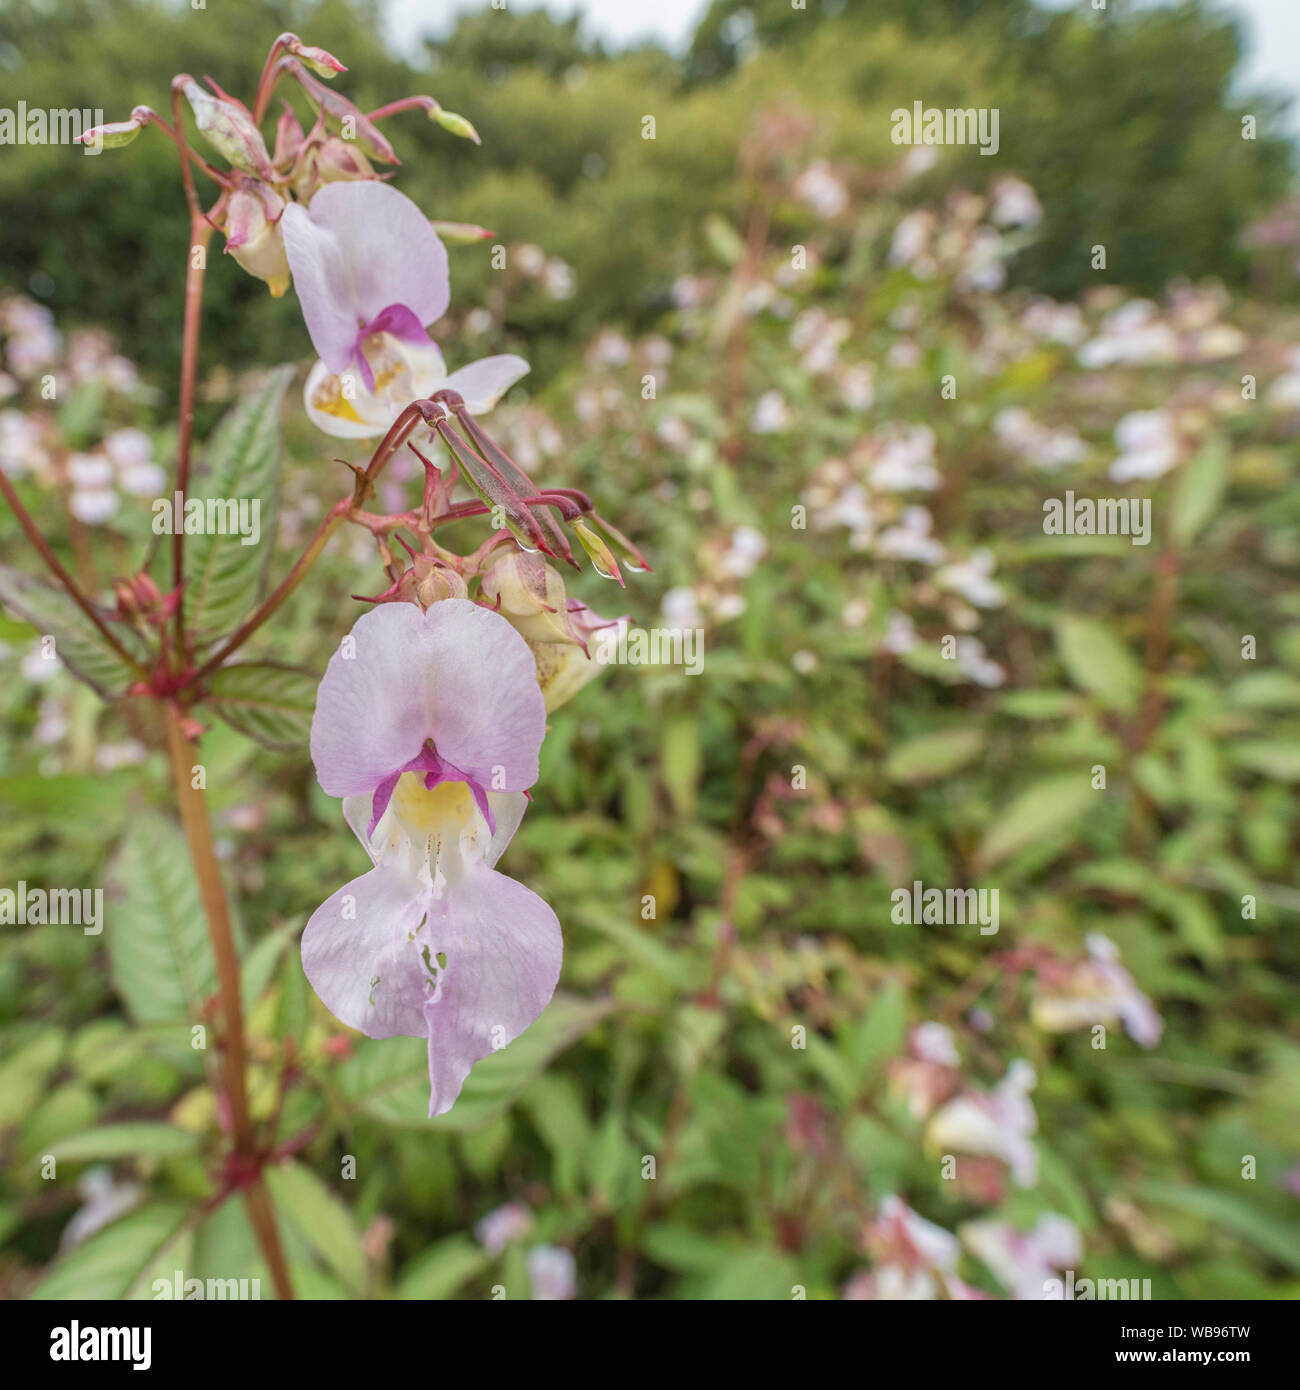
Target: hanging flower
371, 275
428, 725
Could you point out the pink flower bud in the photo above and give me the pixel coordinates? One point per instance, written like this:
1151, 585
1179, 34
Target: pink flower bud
228, 128
253, 234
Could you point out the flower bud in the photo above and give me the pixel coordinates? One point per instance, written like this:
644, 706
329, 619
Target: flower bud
116, 133
253, 234
461, 233
228, 128
456, 125
531, 596
330, 160
323, 64
289, 138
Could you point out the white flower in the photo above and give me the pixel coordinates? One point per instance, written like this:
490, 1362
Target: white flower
911, 538
971, 578
771, 414
1148, 446
1015, 204
906, 462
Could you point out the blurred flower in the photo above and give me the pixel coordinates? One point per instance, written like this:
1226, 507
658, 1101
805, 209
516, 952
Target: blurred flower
911, 538
771, 414
820, 189
914, 1259
972, 579
103, 1200
552, 1273
1038, 444
502, 1225
905, 462
1014, 204
1148, 445
1095, 989
995, 1124
1133, 335
974, 663
1024, 1262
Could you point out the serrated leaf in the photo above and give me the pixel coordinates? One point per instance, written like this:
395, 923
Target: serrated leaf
223, 575
1039, 813
158, 950
272, 704
78, 644
1098, 662
114, 1261
321, 1219
389, 1079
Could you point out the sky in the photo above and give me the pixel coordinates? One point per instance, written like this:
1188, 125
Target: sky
1273, 28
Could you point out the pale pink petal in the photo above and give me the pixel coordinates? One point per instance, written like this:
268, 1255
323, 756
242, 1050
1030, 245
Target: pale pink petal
359, 955
503, 950
359, 249
484, 382
457, 674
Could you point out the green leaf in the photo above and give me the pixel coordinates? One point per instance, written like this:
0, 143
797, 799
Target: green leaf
389, 1079
1038, 814
223, 575
1272, 758
1279, 1239
1098, 662
928, 756
1199, 492
679, 762
321, 1219
442, 1270
78, 643
880, 1034
272, 704
158, 949
116, 1261
142, 1139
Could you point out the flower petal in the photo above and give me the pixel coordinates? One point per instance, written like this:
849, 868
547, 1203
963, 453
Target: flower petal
457, 674
333, 413
484, 382
358, 954
361, 248
503, 950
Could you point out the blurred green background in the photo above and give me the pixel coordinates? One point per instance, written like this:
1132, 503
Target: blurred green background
826, 384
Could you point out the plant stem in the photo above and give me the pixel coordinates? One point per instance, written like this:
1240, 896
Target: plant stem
287, 585
56, 569
200, 237
198, 835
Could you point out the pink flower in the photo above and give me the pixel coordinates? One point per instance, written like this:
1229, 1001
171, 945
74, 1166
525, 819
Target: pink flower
428, 725
371, 275
997, 1124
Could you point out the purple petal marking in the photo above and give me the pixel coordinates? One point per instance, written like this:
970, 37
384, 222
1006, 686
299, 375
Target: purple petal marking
457, 675
436, 769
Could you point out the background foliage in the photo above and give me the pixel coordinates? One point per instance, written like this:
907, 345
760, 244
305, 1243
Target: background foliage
768, 806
